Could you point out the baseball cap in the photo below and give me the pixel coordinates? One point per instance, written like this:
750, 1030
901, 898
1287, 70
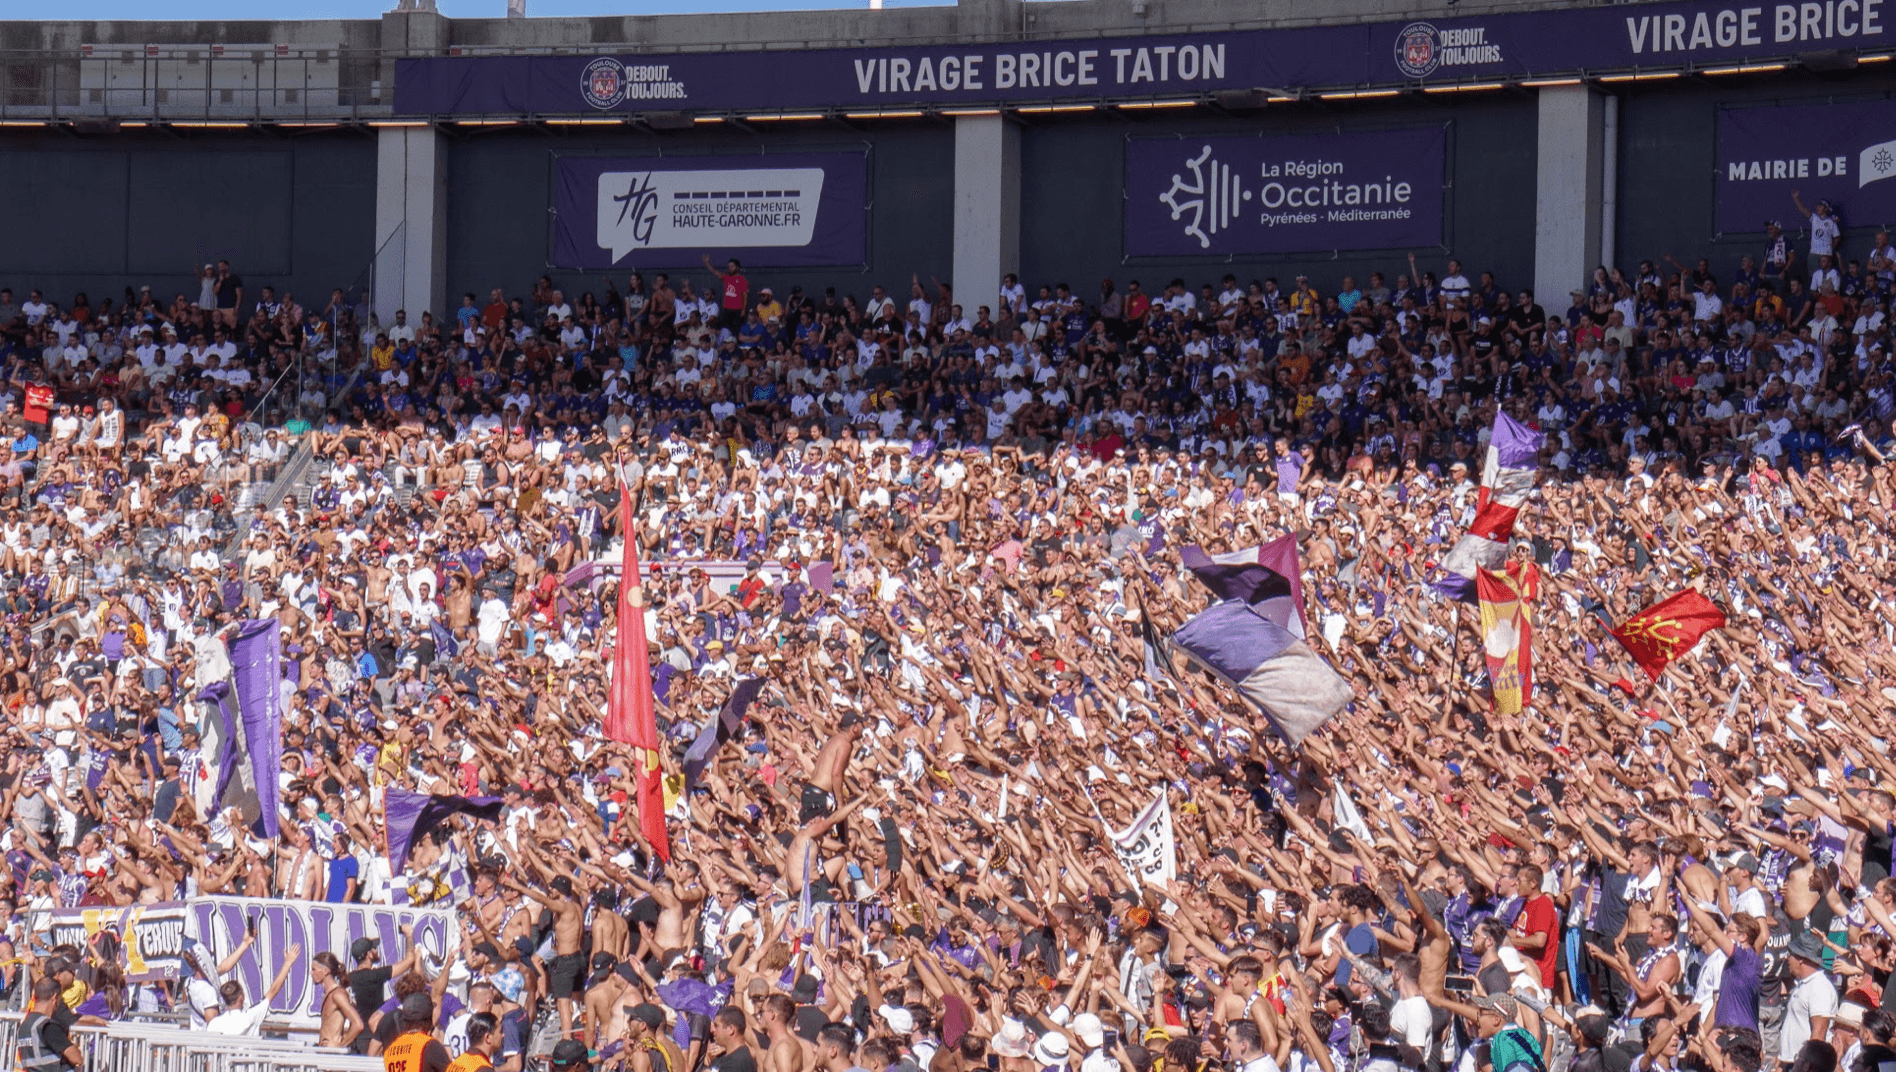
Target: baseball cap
1501, 1003
418, 1006
361, 946
569, 1053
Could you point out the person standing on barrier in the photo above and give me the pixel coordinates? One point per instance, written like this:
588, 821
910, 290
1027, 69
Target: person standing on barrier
45, 1045
416, 1049
483, 1042
241, 1019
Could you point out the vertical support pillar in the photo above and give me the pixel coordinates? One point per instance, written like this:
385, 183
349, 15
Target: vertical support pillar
411, 223
1568, 194
987, 208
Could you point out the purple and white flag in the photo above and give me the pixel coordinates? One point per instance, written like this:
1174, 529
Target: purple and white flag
1507, 477
1269, 666
1268, 578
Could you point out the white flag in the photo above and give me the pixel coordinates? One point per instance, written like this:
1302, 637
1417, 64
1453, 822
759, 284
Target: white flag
1147, 847
1345, 816
1876, 162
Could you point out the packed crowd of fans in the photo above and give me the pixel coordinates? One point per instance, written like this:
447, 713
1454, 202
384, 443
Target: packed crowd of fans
957, 526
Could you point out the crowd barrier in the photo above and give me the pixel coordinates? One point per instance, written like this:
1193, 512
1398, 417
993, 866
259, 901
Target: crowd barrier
156, 1048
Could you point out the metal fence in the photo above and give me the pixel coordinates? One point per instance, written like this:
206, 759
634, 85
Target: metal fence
154, 1048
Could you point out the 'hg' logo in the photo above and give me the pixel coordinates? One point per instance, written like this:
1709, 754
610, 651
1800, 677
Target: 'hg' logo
1418, 50
639, 204
1214, 194
603, 84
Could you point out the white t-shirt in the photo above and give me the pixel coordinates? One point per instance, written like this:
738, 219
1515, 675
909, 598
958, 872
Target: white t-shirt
1814, 995
204, 1002
1411, 1020
1823, 234
247, 1021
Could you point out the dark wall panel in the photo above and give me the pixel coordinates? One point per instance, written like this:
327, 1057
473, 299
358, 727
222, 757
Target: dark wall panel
1073, 183
1669, 164
209, 207
500, 193
101, 213
66, 213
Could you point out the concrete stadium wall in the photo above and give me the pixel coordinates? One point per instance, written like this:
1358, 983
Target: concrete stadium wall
98, 214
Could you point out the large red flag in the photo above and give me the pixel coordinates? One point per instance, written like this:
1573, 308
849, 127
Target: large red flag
1507, 633
630, 717
1668, 629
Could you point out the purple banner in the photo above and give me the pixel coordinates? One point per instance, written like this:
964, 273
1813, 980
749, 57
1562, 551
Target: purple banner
781, 210
256, 661
1588, 39
1841, 153
218, 692
1196, 197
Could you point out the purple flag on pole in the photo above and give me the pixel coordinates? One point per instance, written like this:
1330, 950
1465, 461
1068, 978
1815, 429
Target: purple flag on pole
256, 661
217, 692
409, 816
1268, 578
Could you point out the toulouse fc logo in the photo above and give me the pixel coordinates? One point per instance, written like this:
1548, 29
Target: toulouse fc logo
1418, 50
603, 83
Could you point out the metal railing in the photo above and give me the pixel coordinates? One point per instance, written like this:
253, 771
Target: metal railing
215, 84
153, 1048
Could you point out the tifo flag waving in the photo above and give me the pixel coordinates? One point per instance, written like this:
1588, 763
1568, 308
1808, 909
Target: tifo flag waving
1507, 633
1268, 578
630, 717
1148, 848
1668, 629
1506, 479
409, 817
1270, 667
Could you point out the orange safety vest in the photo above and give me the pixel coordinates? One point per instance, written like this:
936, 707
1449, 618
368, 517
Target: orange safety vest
471, 1062
404, 1054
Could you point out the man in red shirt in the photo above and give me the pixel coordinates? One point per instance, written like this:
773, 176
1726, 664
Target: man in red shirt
39, 402
1537, 928
1138, 304
494, 314
736, 292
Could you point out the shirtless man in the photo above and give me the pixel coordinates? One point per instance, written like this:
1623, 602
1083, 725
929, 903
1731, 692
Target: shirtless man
647, 1047
678, 905
1653, 975
568, 919
801, 858
826, 773
610, 933
788, 1051
605, 989
341, 1023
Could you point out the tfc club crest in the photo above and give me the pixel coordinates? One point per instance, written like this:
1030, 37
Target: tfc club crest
603, 83
1418, 50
